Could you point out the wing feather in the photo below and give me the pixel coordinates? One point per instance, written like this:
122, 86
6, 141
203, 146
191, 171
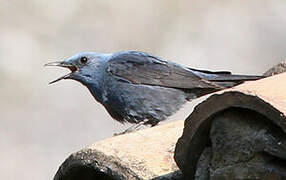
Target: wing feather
142, 68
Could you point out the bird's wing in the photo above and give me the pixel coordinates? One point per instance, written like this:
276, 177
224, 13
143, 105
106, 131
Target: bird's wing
142, 68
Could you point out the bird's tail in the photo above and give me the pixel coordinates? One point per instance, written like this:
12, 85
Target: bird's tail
229, 80
221, 80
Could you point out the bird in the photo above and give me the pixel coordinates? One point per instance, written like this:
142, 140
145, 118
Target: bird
139, 88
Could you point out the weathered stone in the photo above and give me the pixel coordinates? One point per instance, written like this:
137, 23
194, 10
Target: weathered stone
245, 145
144, 154
277, 69
246, 171
203, 166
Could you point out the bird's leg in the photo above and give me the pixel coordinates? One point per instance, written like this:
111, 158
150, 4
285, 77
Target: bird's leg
154, 123
132, 128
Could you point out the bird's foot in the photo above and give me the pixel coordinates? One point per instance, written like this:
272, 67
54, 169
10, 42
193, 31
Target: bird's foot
132, 128
136, 127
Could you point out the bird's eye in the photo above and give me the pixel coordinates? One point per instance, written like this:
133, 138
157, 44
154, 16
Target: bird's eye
83, 60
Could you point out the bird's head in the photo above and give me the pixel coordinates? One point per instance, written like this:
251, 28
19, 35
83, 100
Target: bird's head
84, 66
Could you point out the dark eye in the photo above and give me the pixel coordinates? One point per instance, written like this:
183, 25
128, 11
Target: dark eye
83, 60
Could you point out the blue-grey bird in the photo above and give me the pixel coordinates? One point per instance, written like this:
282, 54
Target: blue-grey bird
137, 87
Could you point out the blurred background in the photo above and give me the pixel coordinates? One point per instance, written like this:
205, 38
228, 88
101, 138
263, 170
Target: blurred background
41, 124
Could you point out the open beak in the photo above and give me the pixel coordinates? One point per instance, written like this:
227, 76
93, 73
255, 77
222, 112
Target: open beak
65, 65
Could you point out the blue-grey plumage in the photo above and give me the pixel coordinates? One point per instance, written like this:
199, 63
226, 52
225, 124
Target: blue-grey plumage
137, 87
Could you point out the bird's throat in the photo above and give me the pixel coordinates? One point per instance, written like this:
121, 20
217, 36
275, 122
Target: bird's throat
96, 91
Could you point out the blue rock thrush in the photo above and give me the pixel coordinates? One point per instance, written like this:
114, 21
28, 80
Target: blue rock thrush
140, 88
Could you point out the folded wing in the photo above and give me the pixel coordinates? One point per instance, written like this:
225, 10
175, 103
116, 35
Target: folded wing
142, 68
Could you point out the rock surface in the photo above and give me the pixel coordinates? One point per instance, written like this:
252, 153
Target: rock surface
277, 69
144, 154
245, 145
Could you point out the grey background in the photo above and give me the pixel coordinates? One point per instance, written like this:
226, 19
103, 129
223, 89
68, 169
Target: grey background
41, 124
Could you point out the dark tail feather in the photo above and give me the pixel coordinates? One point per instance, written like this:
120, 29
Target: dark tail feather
233, 80
230, 77
223, 76
222, 79
228, 84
